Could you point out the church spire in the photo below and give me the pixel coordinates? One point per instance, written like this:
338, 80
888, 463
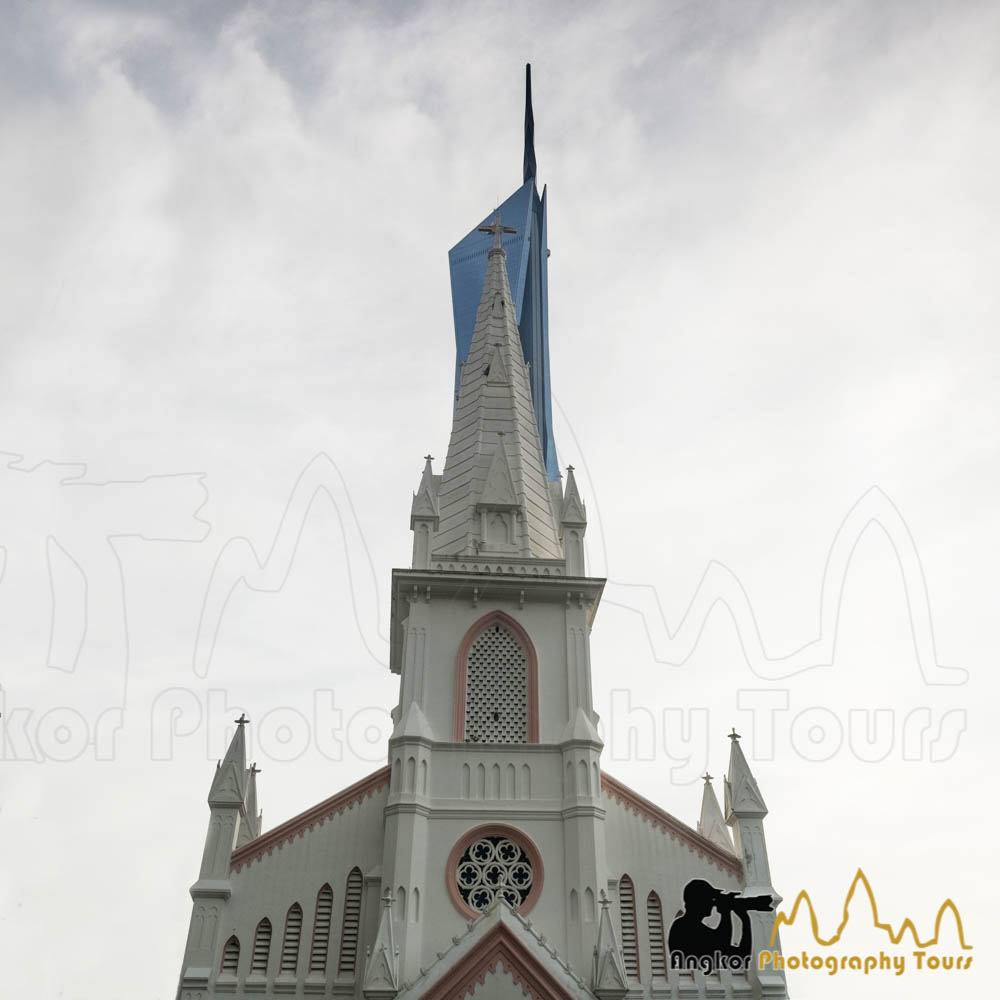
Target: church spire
711, 825
494, 497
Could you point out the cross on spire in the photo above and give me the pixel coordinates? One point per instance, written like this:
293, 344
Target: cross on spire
707, 777
428, 458
497, 229
734, 736
254, 769
242, 720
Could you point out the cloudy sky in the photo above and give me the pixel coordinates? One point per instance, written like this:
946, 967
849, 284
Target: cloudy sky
226, 344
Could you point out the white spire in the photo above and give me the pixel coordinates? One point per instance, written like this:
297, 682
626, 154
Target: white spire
610, 979
711, 825
382, 963
743, 797
494, 497
229, 786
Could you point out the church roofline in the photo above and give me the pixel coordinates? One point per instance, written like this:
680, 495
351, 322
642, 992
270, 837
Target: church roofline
305, 821
672, 826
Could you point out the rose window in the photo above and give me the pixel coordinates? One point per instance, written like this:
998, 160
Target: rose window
494, 868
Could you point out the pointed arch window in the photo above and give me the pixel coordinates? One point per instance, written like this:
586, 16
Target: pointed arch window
657, 949
230, 956
352, 917
630, 942
321, 930
293, 935
261, 948
496, 684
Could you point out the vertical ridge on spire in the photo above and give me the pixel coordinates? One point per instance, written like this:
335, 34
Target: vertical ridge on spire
530, 167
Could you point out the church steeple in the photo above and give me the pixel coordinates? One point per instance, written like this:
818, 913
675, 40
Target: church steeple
493, 497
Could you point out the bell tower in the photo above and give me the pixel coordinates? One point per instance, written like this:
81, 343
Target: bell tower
495, 784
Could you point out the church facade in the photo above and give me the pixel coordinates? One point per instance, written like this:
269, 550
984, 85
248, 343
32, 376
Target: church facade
492, 856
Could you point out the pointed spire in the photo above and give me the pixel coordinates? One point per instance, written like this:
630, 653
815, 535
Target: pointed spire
530, 168
425, 500
711, 825
230, 782
251, 824
610, 980
382, 965
742, 795
573, 509
494, 439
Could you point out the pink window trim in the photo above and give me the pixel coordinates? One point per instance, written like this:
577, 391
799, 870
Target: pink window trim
462, 662
494, 830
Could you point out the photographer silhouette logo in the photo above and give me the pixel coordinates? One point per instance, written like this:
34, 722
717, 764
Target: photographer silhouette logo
697, 941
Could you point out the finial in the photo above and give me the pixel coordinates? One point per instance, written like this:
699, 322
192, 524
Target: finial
734, 736
242, 720
254, 769
605, 902
570, 468
707, 777
428, 458
387, 897
497, 229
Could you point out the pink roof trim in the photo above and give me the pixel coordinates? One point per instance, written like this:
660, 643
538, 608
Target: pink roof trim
670, 825
297, 826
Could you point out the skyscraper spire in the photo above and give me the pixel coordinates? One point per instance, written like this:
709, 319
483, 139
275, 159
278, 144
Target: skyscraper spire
530, 168
527, 275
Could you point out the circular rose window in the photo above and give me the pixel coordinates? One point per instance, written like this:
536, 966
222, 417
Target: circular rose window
492, 863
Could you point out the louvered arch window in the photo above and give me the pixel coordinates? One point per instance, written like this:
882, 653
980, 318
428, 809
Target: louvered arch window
321, 930
231, 956
497, 683
349, 931
630, 943
293, 935
261, 948
657, 949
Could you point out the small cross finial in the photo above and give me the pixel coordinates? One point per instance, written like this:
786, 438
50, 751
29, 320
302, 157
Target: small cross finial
569, 468
497, 230
428, 458
707, 777
734, 736
242, 720
254, 769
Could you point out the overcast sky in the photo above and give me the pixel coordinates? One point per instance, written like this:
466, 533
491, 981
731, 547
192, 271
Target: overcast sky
773, 314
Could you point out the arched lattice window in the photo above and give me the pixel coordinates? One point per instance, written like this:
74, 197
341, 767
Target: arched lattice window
321, 930
293, 935
231, 956
352, 916
630, 943
261, 948
497, 684
657, 950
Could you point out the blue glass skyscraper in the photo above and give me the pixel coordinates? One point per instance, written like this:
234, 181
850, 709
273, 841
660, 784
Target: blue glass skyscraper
527, 272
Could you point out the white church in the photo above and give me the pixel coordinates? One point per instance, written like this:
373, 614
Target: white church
492, 856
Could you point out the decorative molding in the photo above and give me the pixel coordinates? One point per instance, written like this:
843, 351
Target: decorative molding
299, 825
499, 950
673, 827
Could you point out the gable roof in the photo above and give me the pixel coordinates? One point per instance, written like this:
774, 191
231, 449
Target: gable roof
499, 940
670, 825
299, 825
